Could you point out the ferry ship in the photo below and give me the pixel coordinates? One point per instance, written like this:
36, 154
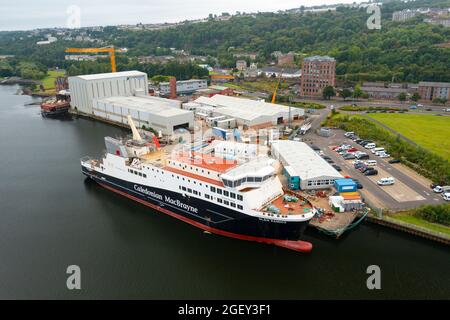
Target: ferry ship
238, 198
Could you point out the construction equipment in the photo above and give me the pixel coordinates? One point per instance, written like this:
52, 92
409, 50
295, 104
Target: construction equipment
110, 50
274, 96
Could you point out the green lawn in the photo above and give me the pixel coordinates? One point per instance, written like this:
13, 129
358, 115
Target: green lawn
429, 131
49, 80
409, 218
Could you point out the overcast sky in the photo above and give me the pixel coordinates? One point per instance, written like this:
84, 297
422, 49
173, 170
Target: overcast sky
26, 14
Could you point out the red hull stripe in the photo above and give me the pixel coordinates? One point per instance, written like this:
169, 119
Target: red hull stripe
301, 246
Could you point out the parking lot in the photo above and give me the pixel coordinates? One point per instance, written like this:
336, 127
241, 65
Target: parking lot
409, 190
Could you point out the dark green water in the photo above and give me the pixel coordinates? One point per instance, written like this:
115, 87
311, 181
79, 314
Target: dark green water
51, 217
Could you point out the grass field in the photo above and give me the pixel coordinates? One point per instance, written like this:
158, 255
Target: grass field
49, 80
429, 131
410, 218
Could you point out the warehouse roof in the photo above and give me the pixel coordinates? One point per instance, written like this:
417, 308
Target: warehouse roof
160, 106
244, 108
303, 160
100, 76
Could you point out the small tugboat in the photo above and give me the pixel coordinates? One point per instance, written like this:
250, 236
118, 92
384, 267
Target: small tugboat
58, 106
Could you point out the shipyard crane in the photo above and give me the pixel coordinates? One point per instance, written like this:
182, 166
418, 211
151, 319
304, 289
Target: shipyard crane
110, 50
274, 96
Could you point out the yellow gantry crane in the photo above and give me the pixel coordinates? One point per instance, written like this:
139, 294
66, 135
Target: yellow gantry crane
110, 50
274, 96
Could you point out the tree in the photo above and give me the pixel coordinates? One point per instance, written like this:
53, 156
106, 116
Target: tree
357, 92
415, 97
346, 93
328, 92
402, 97
440, 100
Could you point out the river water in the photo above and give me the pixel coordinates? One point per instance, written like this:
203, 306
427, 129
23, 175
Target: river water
52, 217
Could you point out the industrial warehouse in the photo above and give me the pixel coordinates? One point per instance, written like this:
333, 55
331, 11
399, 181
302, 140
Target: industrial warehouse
304, 168
233, 111
161, 114
86, 88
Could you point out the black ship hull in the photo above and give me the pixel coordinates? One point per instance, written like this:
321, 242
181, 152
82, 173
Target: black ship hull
57, 112
207, 215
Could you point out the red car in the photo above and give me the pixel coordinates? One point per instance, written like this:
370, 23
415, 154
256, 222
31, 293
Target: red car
352, 150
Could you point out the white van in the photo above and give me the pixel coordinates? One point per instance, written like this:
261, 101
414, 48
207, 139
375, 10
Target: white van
375, 150
370, 163
386, 181
370, 145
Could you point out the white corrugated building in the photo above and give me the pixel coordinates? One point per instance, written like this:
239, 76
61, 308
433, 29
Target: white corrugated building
252, 113
84, 89
303, 162
161, 114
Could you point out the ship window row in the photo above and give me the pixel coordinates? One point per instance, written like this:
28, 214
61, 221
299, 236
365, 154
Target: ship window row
227, 193
185, 166
237, 183
189, 190
140, 174
188, 180
225, 202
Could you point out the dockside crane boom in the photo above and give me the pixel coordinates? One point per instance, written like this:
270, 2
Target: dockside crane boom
110, 50
274, 96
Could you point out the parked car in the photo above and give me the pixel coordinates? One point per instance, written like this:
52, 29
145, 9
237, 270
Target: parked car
413, 107
364, 142
375, 150
349, 156
446, 110
433, 185
359, 165
394, 161
326, 157
371, 172
383, 155
440, 189
370, 145
362, 156
446, 196
386, 181
370, 163
363, 168
335, 166
349, 133
358, 184
352, 150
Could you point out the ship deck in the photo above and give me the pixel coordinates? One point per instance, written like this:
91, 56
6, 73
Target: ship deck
302, 206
